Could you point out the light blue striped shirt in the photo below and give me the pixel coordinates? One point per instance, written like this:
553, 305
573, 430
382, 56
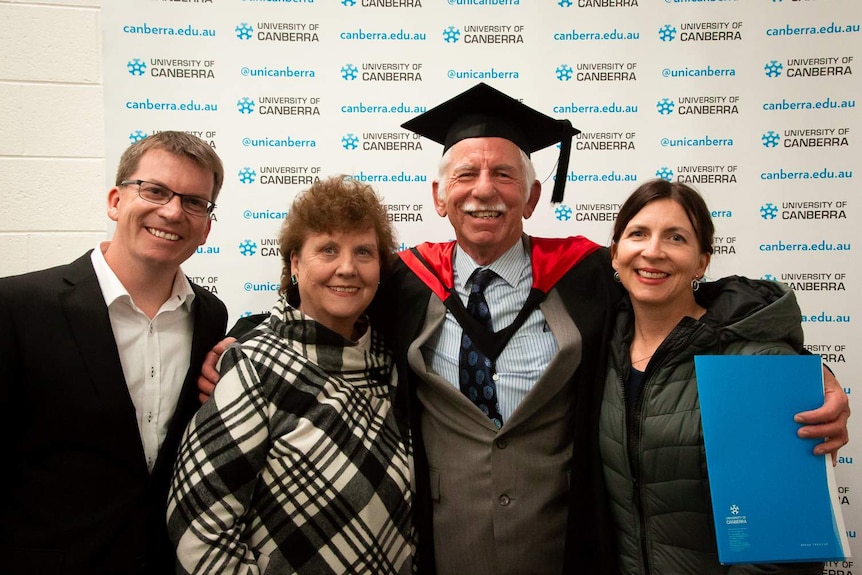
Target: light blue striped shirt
530, 350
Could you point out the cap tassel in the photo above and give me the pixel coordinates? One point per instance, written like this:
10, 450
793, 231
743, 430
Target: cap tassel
563, 164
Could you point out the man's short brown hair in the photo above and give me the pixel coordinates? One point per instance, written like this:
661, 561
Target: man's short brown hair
178, 144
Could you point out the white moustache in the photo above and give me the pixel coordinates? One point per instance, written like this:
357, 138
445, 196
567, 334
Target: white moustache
481, 207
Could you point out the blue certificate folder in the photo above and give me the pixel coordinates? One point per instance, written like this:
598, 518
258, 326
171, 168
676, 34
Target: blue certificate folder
773, 500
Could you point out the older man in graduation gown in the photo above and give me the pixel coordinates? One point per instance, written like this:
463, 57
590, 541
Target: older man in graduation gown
501, 450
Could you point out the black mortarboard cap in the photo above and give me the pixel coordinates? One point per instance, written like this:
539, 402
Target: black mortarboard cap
485, 112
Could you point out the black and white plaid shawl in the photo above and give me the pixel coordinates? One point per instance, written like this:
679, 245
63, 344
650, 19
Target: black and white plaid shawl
296, 464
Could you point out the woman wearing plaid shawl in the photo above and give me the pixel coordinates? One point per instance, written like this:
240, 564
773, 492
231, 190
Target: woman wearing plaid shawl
297, 464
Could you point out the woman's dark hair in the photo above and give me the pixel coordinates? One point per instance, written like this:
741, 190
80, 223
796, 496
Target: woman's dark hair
686, 196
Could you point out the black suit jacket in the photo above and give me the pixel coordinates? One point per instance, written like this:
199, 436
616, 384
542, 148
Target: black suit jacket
78, 496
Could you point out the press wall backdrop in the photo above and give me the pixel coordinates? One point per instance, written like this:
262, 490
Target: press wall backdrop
751, 101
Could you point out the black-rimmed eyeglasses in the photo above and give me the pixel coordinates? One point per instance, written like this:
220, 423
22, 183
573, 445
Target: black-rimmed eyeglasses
158, 194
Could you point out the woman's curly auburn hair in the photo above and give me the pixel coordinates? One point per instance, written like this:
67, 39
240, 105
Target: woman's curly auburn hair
332, 205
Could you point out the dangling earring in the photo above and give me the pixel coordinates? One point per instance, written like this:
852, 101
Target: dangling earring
695, 285
293, 279
617, 277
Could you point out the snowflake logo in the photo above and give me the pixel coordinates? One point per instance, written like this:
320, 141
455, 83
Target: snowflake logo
773, 69
664, 173
248, 248
565, 3
734, 509
247, 175
349, 72
770, 139
245, 105
451, 34
768, 211
769, 278
245, 314
136, 136
665, 106
349, 142
563, 213
136, 67
348, 2
563, 72
667, 33
244, 31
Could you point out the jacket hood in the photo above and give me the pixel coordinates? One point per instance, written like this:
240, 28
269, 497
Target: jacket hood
755, 310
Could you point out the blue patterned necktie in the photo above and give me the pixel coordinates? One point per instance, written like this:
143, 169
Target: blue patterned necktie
478, 373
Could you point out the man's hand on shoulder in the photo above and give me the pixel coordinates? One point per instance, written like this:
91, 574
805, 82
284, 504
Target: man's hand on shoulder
209, 374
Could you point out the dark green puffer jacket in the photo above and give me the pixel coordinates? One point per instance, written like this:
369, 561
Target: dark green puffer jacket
653, 459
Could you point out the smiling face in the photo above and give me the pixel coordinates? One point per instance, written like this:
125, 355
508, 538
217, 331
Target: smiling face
151, 238
657, 256
485, 196
337, 276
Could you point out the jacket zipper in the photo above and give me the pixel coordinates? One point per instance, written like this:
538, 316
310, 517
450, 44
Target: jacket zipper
633, 423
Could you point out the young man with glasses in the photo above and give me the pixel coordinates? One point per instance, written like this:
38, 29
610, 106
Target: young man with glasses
95, 388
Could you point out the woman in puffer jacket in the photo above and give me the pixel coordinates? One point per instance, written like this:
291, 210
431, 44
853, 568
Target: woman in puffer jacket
651, 438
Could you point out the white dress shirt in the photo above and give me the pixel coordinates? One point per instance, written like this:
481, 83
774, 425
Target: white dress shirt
154, 352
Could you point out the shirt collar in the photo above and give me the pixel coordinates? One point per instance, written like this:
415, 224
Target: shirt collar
113, 289
508, 266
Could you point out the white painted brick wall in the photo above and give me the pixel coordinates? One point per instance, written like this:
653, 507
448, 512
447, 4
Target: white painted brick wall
52, 156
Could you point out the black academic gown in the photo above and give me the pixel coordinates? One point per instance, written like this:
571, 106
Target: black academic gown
580, 272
